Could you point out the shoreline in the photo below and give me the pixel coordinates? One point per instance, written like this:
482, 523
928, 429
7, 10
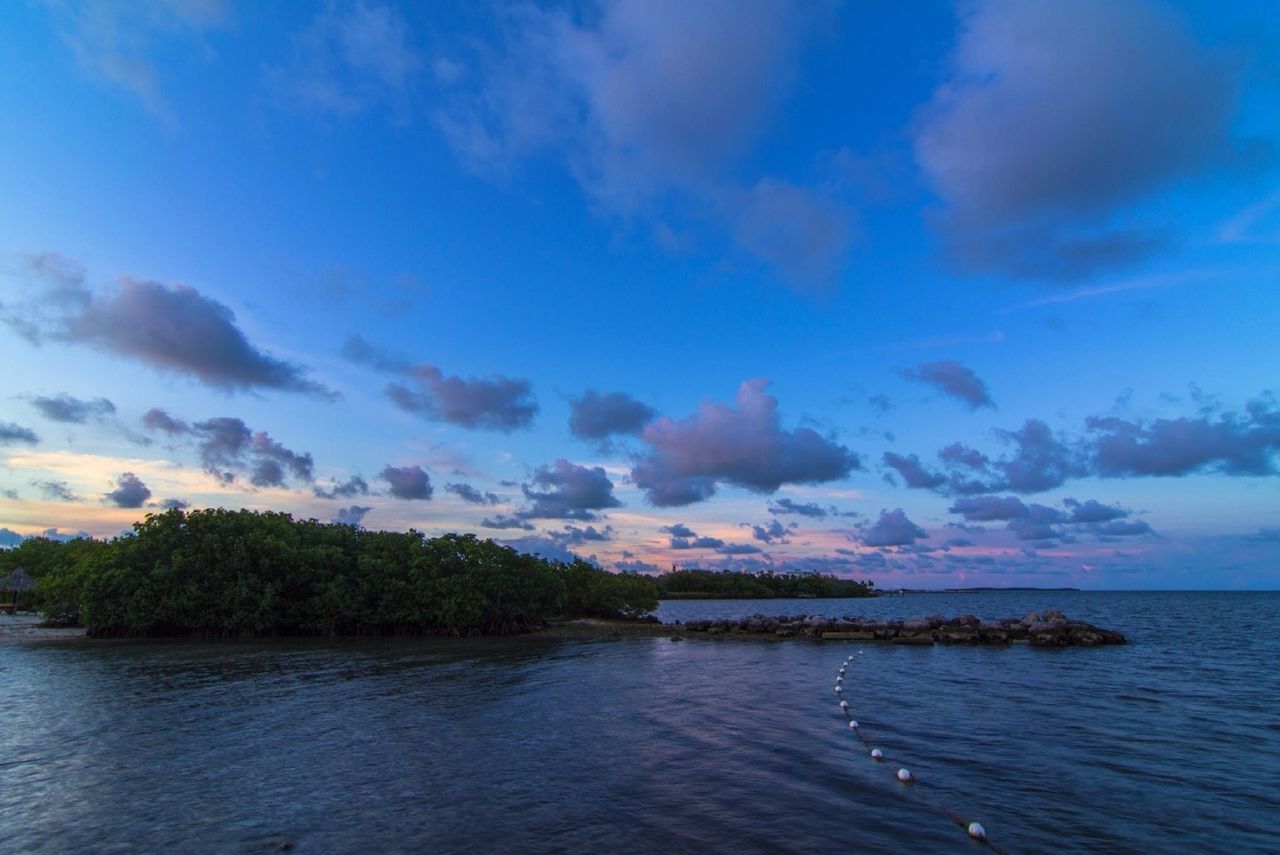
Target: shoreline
1049, 629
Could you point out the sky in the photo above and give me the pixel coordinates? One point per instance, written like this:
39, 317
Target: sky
932, 294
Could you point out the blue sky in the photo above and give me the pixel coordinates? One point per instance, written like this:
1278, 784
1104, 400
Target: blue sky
947, 294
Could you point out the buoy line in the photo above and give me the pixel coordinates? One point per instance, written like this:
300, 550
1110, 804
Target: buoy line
974, 829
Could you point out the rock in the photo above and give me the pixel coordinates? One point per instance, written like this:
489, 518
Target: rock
916, 626
924, 638
1052, 614
966, 620
1032, 617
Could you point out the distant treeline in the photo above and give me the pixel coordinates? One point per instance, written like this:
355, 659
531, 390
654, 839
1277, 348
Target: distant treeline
708, 584
218, 573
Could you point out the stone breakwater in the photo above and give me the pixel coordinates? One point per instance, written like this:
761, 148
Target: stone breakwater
1050, 628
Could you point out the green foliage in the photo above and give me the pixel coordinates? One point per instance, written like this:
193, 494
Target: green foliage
243, 573
730, 585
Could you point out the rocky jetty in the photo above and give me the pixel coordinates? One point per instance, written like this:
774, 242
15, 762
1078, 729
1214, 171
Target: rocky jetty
1050, 628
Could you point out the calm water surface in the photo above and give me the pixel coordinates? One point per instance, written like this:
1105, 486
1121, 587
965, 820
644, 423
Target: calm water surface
1171, 743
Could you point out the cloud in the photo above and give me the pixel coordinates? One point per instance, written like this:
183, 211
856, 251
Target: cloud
269, 450
989, 508
9, 537
575, 536
892, 528
683, 537
495, 403
226, 445
67, 409
349, 57
599, 416
470, 494
352, 516
130, 492
174, 504
913, 471
790, 506
1040, 522
568, 491
353, 486
803, 234
743, 446
115, 42
609, 93
1231, 443
739, 549
11, 433
58, 491
156, 419
505, 521
171, 328
1093, 511
954, 379
408, 482
774, 532
1057, 117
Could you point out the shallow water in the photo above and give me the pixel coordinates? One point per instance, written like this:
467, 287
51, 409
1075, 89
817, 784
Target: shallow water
642, 744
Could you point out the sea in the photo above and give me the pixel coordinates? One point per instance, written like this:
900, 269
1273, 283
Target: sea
1170, 743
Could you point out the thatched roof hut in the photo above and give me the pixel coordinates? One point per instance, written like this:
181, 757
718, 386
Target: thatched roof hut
16, 583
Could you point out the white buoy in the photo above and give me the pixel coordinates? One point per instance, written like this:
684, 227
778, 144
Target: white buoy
839, 690
976, 831
877, 754
839, 679
904, 775
844, 705
853, 725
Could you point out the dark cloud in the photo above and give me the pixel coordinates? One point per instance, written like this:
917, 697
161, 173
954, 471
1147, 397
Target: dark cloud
223, 440
1056, 117
494, 403
1043, 523
678, 530
913, 471
65, 408
156, 419
989, 508
353, 486
408, 482
130, 492
505, 521
172, 328
174, 504
959, 454
267, 449
1041, 462
739, 549
683, 537
954, 379
1093, 511
545, 547
774, 532
362, 352
11, 433
613, 101
267, 473
599, 416
790, 506
58, 491
1231, 443
1122, 528
575, 536
470, 494
10, 494
743, 446
565, 490
352, 516
880, 403
892, 528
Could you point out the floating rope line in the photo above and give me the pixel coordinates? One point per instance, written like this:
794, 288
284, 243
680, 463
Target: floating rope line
973, 828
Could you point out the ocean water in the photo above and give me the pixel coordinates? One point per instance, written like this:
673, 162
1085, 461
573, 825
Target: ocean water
1171, 743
